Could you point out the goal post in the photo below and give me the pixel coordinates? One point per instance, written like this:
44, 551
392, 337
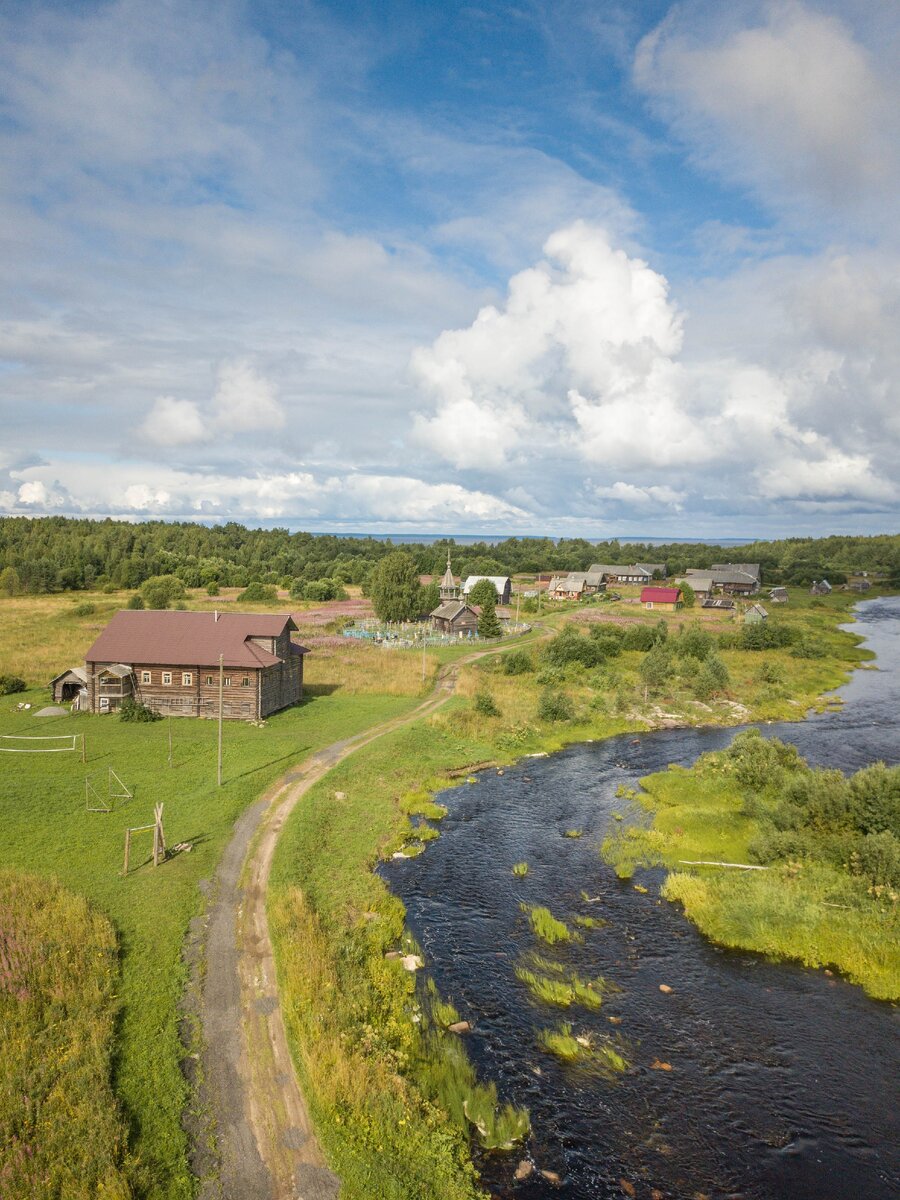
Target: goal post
60, 743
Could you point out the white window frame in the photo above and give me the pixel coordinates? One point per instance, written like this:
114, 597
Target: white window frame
187, 678
167, 678
146, 677
104, 703
227, 681
245, 682
209, 680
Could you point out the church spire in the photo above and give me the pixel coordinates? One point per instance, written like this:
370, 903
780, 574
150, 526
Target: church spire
448, 583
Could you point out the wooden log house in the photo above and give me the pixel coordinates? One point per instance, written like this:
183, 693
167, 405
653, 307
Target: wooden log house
169, 661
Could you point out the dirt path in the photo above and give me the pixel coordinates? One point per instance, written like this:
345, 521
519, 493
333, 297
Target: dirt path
267, 1149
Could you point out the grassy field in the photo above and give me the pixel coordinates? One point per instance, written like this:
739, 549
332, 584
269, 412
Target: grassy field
61, 1131
47, 830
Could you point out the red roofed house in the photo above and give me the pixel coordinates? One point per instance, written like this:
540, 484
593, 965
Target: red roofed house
169, 661
667, 599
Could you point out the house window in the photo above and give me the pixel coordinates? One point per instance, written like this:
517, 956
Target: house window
228, 681
649, 604
245, 682
167, 677
104, 703
209, 680
145, 677
187, 678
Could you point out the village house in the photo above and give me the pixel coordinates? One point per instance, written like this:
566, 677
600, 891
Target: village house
170, 662
820, 587
778, 595
633, 573
502, 586
667, 599
734, 579
456, 617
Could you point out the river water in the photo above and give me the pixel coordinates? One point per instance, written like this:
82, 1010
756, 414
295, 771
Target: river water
784, 1081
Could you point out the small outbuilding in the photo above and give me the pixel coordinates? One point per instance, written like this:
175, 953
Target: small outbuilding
820, 587
668, 599
456, 617
71, 686
755, 615
778, 595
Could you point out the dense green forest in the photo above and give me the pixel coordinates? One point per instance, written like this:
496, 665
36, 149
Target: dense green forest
51, 554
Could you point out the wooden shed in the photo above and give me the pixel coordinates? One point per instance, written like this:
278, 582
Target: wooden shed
455, 616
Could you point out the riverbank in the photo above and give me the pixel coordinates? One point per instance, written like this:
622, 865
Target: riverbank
372, 1062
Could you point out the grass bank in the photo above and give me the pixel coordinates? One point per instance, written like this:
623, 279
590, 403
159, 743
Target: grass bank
827, 851
61, 1131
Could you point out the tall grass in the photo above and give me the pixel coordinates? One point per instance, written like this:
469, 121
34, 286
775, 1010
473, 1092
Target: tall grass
545, 926
61, 1130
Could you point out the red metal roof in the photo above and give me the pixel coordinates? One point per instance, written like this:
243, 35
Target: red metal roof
190, 639
660, 595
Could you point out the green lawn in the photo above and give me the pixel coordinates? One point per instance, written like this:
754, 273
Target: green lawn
48, 831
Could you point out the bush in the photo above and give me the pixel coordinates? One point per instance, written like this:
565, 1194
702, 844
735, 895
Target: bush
638, 637
160, 591
136, 601
877, 858
133, 711
485, 705
555, 706
10, 684
212, 588
517, 662
570, 647
84, 610
259, 593
711, 678
809, 647
696, 643
766, 636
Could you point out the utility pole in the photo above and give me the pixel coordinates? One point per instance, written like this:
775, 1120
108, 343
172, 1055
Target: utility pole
424, 644
518, 596
221, 687
170, 740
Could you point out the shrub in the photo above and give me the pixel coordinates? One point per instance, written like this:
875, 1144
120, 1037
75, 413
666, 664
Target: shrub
638, 637
259, 593
877, 858
570, 647
133, 711
160, 591
809, 647
609, 647
135, 602
10, 684
696, 643
517, 662
212, 588
711, 678
555, 706
485, 705
766, 636
84, 610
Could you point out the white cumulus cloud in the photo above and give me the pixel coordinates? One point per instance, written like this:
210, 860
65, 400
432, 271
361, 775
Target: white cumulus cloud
172, 422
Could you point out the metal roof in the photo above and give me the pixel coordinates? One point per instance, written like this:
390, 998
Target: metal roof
190, 639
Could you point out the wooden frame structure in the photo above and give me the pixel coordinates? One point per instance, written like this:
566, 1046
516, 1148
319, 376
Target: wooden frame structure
159, 838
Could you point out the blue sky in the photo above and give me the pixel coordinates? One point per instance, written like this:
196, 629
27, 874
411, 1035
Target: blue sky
572, 268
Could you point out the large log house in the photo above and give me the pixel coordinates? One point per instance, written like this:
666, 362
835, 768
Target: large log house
169, 661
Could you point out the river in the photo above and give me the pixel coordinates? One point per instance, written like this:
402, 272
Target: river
783, 1080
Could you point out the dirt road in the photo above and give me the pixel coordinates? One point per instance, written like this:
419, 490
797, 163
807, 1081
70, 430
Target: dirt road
266, 1148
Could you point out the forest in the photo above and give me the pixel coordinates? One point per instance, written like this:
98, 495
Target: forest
58, 554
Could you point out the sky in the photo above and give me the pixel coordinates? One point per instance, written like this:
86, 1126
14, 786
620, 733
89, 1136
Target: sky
543, 267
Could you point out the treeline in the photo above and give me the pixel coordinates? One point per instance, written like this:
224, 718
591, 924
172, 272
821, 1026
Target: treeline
53, 554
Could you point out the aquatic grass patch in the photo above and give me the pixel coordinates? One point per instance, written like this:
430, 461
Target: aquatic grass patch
553, 983
520, 869
573, 833
61, 1131
545, 926
602, 1055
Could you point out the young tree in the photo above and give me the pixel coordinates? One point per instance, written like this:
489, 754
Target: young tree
394, 587
688, 595
488, 625
482, 592
429, 597
10, 584
160, 591
655, 668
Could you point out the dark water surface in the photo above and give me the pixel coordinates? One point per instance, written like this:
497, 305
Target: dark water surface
784, 1082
